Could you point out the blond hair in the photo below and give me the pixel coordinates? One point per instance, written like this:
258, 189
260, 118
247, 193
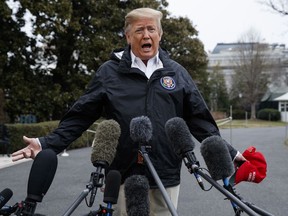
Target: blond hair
139, 13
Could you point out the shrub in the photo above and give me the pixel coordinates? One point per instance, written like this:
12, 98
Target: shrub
240, 114
16, 132
269, 114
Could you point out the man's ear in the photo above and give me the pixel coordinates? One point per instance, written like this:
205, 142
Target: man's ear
128, 38
160, 35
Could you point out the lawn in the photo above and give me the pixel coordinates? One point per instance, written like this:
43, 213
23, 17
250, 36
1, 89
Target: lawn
249, 123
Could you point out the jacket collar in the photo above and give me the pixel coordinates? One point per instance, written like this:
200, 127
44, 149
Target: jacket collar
123, 56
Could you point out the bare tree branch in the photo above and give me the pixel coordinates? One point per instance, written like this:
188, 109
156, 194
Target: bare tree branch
280, 6
251, 64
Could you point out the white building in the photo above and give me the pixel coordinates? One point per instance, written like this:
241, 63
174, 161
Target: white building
225, 56
283, 106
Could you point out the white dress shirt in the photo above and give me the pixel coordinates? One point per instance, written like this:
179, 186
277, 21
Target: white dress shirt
152, 64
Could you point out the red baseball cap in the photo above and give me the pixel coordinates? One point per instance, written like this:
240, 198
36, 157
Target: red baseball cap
252, 170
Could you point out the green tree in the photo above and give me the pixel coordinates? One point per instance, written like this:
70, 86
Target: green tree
17, 78
79, 36
71, 39
180, 39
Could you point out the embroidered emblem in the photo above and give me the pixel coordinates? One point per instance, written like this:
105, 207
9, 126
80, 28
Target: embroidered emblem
168, 83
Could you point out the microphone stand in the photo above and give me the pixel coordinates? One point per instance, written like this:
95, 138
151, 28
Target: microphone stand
144, 153
257, 209
191, 163
252, 206
96, 181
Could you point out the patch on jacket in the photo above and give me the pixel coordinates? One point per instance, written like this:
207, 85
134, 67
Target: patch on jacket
168, 83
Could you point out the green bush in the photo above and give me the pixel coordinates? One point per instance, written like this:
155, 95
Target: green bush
269, 114
240, 114
16, 132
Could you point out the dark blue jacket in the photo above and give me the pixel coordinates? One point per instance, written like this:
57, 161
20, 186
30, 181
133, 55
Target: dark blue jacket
123, 93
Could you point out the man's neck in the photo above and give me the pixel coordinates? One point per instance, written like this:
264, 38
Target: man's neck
145, 62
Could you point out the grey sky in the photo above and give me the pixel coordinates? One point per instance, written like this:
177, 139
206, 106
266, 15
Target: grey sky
227, 20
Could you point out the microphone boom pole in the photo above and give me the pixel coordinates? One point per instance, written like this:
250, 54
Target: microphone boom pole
76, 203
151, 168
255, 208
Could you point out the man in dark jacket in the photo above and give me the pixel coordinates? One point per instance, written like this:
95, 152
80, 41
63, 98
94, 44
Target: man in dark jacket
139, 80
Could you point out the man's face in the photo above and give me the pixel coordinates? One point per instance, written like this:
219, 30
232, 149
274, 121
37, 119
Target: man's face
144, 38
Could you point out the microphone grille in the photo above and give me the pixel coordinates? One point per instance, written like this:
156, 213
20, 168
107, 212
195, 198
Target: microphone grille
111, 192
141, 129
217, 157
136, 188
179, 135
42, 174
105, 141
5, 195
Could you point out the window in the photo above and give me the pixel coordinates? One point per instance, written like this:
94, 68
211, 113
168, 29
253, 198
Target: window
283, 106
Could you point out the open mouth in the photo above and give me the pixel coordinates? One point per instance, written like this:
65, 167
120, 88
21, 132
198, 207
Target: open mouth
146, 46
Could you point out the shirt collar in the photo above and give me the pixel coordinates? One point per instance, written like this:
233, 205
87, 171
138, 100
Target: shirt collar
155, 60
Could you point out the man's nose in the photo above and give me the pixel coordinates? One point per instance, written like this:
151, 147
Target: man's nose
146, 33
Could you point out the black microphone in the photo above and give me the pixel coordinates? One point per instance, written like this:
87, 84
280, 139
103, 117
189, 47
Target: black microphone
141, 130
136, 188
218, 160
41, 175
141, 133
179, 135
217, 157
5, 196
103, 151
111, 192
40, 178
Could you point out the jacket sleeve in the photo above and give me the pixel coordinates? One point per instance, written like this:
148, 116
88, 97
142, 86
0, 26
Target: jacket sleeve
198, 117
85, 111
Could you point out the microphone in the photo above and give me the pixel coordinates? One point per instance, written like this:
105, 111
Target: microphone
219, 163
111, 192
40, 178
5, 196
217, 158
41, 175
141, 133
105, 143
141, 130
103, 152
181, 139
136, 188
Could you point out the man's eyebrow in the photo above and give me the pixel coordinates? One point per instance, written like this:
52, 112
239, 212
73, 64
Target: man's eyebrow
145, 26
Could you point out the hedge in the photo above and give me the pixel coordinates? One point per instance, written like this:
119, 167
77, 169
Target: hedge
16, 132
269, 114
240, 114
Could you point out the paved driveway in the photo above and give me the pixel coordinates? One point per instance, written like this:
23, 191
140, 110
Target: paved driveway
74, 172
271, 194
